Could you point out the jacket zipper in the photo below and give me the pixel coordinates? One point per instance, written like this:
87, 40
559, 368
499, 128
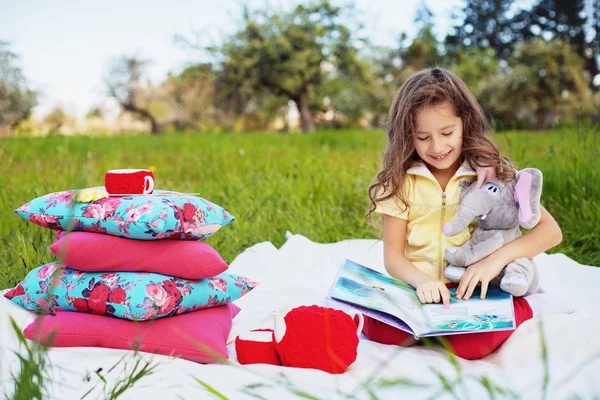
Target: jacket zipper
441, 236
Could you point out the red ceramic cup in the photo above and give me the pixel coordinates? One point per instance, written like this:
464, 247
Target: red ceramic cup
129, 181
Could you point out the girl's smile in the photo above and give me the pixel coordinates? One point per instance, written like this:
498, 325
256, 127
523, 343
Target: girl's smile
441, 157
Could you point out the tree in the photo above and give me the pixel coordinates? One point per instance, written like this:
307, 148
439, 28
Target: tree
565, 20
392, 67
423, 52
475, 67
350, 100
94, 112
491, 24
288, 55
485, 23
544, 82
55, 120
595, 38
191, 96
126, 84
386, 66
16, 98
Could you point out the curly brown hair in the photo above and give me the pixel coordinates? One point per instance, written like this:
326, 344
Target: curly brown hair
430, 87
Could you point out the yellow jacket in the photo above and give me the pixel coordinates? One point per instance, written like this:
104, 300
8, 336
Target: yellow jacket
428, 209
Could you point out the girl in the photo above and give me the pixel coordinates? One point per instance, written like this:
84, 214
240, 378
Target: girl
438, 139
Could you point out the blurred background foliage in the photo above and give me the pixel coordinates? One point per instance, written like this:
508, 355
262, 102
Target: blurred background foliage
312, 67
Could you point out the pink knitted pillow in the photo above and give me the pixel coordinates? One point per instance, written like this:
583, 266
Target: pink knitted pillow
199, 336
95, 252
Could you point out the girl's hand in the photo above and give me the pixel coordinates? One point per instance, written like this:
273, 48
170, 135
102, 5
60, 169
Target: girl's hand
482, 271
434, 291
483, 175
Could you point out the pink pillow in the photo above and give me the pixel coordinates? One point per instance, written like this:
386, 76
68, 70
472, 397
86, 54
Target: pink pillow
199, 336
96, 252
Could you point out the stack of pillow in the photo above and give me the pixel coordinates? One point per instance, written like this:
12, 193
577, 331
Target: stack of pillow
126, 289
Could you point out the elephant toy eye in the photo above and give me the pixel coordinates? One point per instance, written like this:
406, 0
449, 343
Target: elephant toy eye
492, 188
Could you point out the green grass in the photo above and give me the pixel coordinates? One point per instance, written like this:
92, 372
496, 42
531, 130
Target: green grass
313, 185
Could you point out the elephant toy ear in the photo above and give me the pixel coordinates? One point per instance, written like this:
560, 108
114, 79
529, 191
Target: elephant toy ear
528, 192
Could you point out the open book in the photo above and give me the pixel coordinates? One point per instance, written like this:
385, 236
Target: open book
396, 303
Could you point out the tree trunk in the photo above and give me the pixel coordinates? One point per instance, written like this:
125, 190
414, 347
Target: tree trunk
306, 121
155, 126
544, 119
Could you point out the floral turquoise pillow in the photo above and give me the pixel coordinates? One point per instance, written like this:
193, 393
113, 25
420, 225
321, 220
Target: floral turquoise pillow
128, 295
162, 215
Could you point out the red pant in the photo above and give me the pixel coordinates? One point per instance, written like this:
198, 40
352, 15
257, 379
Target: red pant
471, 346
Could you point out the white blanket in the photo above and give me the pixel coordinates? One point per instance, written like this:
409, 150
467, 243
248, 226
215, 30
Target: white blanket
301, 272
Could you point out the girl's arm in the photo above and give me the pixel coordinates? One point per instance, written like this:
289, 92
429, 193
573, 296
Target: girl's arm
400, 267
545, 235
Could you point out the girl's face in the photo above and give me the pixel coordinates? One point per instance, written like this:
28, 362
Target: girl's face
438, 136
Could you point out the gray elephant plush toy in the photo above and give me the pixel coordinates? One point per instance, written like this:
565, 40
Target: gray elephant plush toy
499, 207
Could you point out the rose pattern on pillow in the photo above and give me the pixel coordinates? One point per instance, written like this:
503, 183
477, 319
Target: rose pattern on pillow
128, 295
163, 215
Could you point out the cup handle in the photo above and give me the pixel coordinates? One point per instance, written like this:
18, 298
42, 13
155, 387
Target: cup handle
361, 320
149, 183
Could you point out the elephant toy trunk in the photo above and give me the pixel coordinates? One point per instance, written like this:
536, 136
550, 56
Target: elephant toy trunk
456, 226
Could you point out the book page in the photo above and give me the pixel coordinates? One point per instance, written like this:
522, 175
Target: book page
368, 288
494, 313
362, 286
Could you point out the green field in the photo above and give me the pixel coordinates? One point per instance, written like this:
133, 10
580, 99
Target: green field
314, 185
